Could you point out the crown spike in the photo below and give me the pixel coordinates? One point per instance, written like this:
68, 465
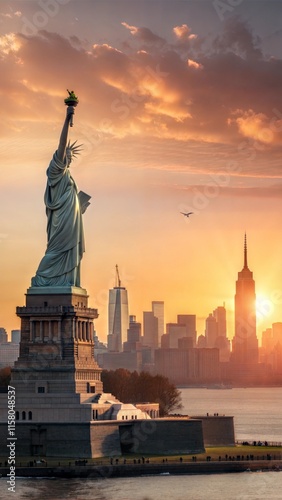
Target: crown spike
72, 150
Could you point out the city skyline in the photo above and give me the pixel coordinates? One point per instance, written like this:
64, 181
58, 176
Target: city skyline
175, 115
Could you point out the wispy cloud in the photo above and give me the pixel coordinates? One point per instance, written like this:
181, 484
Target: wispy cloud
274, 191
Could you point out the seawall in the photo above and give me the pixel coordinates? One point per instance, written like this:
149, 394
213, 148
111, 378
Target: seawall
135, 470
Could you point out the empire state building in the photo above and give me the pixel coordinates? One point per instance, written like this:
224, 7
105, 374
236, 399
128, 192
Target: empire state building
245, 342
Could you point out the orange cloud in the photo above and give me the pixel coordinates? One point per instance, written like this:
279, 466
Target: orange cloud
144, 34
11, 14
257, 126
9, 43
183, 32
194, 64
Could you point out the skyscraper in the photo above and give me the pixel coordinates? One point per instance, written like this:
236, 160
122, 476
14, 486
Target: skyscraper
150, 330
118, 316
3, 335
220, 315
189, 320
221, 340
211, 331
133, 342
158, 311
245, 342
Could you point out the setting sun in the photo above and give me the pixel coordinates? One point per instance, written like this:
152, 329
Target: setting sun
264, 307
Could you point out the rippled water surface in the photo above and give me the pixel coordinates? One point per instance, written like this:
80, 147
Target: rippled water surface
240, 486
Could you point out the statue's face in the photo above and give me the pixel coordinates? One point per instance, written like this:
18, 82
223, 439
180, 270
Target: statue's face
69, 155
72, 151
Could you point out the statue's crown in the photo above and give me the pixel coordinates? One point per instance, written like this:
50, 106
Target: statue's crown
72, 150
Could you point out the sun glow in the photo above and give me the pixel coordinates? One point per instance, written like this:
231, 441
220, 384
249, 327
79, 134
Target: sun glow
264, 307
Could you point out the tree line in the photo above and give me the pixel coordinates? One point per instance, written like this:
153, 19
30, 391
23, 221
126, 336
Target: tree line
133, 387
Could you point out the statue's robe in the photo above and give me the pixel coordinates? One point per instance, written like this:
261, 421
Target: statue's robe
60, 265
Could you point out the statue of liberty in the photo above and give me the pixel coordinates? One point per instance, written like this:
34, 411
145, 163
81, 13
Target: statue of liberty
60, 265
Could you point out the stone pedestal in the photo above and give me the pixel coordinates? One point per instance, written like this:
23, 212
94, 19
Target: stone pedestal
56, 377
57, 346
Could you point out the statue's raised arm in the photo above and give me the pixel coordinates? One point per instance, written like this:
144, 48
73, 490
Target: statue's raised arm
60, 266
61, 151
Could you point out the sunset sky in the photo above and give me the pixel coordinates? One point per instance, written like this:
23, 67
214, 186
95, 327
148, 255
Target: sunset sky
180, 109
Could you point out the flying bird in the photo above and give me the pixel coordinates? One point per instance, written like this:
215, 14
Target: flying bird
187, 214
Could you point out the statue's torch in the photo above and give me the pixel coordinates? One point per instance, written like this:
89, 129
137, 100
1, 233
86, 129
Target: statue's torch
71, 100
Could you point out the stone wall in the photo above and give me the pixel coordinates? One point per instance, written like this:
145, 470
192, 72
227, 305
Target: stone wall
113, 438
162, 437
218, 430
69, 440
49, 440
105, 439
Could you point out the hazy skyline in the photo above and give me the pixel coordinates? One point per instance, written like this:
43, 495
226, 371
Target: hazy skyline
180, 109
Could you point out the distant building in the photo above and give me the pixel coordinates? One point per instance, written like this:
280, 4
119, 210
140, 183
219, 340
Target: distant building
277, 362
245, 342
185, 328
15, 336
211, 332
267, 338
150, 330
215, 333
220, 315
188, 366
133, 342
99, 347
158, 311
208, 365
153, 325
118, 317
277, 333
3, 335
175, 332
9, 353
189, 320
245, 368
271, 350
131, 361
202, 341
185, 343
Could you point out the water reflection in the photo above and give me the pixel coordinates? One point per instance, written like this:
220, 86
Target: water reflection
239, 486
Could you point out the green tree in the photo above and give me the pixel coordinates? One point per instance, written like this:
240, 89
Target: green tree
133, 387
